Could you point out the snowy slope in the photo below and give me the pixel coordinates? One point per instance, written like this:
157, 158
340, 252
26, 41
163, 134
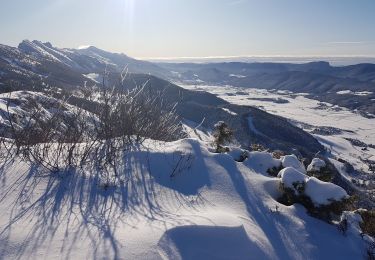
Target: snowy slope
331, 125
26, 106
213, 208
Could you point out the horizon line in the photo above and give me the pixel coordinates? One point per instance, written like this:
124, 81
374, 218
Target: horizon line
256, 56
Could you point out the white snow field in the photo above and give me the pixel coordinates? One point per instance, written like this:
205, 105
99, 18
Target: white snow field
213, 208
309, 114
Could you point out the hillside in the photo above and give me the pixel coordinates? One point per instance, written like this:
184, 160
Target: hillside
195, 106
213, 207
34, 65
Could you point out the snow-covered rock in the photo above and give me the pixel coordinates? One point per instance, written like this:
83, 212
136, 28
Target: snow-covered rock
323, 193
238, 154
290, 178
315, 165
292, 161
261, 162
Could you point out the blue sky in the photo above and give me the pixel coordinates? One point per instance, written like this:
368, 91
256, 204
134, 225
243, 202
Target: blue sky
196, 28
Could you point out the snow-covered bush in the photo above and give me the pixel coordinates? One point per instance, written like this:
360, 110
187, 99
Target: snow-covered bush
323, 193
293, 179
321, 170
274, 171
321, 199
257, 147
222, 134
238, 154
278, 154
315, 165
292, 161
262, 162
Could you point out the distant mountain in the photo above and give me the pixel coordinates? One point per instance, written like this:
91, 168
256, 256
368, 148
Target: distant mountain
34, 64
349, 86
364, 73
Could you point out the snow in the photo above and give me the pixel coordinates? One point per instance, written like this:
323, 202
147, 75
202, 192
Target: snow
208, 242
57, 54
197, 131
236, 153
343, 149
215, 208
22, 101
322, 193
315, 165
237, 76
290, 176
82, 47
252, 127
356, 93
353, 219
310, 114
260, 162
94, 76
39, 48
292, 161
229, 111
344, 92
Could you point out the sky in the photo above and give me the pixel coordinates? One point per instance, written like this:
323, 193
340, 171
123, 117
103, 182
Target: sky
196, 28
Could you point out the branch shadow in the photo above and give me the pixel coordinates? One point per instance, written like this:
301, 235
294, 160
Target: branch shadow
80, 205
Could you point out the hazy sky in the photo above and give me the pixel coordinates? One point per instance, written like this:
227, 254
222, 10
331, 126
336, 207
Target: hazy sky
195, 28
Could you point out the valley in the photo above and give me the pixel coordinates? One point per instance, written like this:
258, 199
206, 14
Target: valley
128, 158
333, 126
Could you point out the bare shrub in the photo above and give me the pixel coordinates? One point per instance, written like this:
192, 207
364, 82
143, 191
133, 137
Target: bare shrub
368, 223
57, 135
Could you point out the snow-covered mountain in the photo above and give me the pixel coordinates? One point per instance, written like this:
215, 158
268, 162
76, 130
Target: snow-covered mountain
88, 60
35, 64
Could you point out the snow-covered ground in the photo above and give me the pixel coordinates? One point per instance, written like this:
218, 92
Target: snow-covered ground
311, 115
213, 208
